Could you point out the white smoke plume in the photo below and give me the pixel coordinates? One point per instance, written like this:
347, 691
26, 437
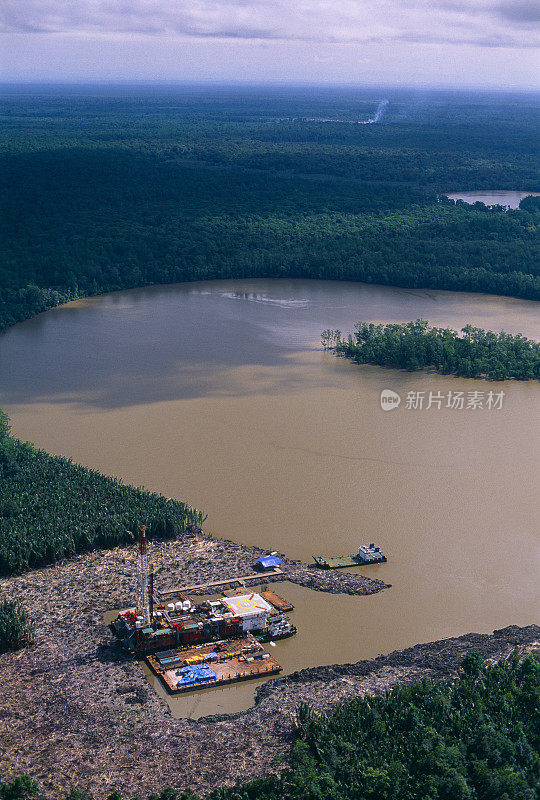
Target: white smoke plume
378, 113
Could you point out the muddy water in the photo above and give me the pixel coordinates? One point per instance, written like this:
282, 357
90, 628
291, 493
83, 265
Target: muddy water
493, 198
217, 393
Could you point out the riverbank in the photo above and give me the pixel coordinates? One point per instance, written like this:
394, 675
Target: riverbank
96, 723
74, 681
94, 716
204, 559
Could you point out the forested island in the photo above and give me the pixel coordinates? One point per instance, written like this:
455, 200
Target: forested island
106, 191
475, 353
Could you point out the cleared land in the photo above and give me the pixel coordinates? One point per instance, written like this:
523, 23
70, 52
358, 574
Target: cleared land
95, 719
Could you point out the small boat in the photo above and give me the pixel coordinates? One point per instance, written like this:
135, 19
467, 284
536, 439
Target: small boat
275, 634
279, 627
365, 555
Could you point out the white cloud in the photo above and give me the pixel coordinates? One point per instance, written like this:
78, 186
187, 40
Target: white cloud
485, 23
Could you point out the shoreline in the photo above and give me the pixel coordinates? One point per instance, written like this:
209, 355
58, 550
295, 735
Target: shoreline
224, 554
81, 297
94, 717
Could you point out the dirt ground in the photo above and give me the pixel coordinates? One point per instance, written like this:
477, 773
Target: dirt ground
76, 711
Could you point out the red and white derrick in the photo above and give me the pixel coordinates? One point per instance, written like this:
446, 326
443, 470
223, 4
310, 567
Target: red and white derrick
142, 577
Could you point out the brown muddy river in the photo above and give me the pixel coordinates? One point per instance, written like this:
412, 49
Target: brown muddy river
218, 393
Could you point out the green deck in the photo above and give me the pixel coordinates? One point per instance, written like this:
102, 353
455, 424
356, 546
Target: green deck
338, 562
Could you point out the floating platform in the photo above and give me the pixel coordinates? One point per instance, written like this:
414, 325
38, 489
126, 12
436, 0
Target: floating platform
366, 555
278, 602
213, 664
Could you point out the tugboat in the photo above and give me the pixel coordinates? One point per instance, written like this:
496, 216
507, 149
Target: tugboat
279, 627
366, 555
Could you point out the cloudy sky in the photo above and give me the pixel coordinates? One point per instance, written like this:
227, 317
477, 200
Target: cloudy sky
406, 42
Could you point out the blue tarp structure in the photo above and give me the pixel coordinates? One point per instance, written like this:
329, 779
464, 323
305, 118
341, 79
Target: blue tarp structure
198, 673
211, 657
267, 562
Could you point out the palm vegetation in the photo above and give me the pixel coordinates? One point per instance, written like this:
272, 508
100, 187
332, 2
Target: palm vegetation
51, 508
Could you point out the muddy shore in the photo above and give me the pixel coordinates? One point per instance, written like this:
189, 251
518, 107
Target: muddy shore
201, 559
76, 711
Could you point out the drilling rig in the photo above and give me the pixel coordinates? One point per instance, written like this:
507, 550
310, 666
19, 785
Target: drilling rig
142, 577
154, 625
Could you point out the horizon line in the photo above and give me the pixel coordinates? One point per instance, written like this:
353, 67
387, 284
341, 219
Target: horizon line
232, 83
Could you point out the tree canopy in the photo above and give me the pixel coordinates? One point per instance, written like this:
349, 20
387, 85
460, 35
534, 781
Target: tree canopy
472, 353
474, 738
110, 192
51, 508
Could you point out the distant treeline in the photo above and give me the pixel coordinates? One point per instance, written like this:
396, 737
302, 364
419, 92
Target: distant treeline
472, 739
414, 345
51, 508
107, 193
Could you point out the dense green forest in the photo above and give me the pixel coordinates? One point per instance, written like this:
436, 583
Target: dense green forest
51, 508
106, 190
476, 738
414, 345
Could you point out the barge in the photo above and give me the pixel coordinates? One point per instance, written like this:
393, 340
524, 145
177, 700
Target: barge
278, 602
186, 669
365, 556
185, 623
